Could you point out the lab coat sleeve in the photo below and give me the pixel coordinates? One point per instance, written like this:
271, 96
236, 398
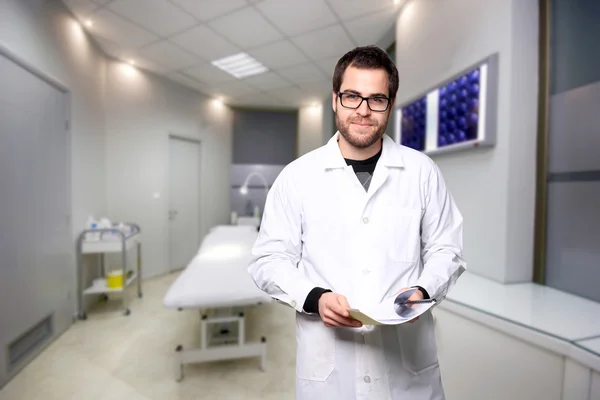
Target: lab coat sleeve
441, 238
278, 248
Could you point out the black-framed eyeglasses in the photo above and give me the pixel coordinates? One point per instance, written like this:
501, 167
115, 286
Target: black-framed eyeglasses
375, 103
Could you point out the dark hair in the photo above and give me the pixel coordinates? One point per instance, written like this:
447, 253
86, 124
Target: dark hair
366, 57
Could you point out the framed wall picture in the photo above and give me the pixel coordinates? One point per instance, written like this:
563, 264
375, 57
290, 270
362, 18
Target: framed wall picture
457, 114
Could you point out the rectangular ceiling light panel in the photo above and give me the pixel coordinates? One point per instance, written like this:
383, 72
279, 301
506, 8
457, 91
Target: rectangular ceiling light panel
240, 65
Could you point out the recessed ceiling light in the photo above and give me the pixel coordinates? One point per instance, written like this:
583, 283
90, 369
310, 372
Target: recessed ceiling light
240, 65
89, 23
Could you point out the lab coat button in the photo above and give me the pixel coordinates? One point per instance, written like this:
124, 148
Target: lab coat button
366, 271
294, 303
367, 379
365, 220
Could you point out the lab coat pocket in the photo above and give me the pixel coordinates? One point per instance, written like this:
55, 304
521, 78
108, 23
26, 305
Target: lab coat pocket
316, 349
417, 345
405, 229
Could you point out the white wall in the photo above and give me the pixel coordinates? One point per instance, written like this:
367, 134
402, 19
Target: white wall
50, 40
120, 124
310, 128
494, 188
142, 110
46, 36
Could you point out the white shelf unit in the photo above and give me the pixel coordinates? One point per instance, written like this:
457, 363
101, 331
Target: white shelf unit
117, 242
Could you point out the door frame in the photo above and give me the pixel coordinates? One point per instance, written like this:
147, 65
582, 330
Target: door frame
200, 222
541, 180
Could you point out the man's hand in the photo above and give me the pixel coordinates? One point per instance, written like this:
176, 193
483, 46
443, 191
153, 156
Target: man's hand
417, 295
332, 309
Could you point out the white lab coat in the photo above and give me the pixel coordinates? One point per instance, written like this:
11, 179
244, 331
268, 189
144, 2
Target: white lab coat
321, 228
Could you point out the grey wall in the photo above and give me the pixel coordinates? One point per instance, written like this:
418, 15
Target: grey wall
264, 137
575, 43
573, 226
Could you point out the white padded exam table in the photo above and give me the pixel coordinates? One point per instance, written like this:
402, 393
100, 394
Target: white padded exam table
217, 283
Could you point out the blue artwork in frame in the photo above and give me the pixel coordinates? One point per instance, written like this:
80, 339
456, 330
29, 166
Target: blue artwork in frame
459, 109
414, 124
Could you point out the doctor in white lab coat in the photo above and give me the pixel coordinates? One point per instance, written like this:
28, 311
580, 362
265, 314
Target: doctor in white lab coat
349, 224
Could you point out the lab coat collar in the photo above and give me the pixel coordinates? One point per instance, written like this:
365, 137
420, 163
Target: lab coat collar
391, 155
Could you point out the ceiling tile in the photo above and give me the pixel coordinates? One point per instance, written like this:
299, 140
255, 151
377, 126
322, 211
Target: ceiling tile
259, 32
209, 9
120, 31
204, 42
290, 95
295, 17
169, 55
278, 55
113, 49
302, 73
184, 79
158, 16
328, 64
187, 81
232, 89
328, 42
319, 88
209, 74
150, 66
125, 55
82, 9
267, 81
370, 29
347, 9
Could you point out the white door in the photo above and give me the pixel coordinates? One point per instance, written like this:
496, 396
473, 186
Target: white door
36, 245
184, 201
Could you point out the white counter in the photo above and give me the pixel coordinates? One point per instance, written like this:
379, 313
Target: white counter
518, 341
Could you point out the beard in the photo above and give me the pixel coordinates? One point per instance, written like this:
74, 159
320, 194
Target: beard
360, 137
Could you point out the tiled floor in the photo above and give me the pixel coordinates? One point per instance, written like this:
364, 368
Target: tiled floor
111, 356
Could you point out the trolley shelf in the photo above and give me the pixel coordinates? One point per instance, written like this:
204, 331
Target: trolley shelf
114, 245
101, 288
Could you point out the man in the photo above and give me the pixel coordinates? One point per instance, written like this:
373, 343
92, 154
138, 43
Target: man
350, 224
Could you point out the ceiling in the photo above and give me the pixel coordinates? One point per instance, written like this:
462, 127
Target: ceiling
299, 41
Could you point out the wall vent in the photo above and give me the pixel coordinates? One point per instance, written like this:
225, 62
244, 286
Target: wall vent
29, 343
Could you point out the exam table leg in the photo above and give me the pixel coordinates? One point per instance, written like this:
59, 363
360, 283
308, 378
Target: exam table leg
178, 365
139, 269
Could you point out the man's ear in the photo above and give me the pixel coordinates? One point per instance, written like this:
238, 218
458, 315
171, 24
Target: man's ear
334, 101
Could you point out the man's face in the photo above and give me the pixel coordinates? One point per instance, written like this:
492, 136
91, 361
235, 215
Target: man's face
362, 127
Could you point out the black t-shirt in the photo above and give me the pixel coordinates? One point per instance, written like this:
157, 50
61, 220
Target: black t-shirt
364, 168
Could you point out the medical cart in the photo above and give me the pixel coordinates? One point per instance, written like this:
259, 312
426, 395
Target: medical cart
109, 240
